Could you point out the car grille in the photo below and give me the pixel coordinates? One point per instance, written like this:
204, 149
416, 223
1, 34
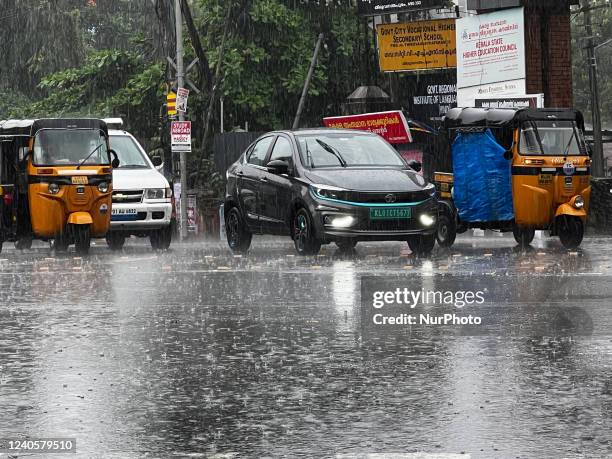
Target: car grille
127, 196
389, 198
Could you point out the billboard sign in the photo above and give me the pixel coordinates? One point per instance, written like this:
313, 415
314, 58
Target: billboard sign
181, 136
527, 101
432, 96
392, 126
491, 48
466, 97
421, 45
380, 7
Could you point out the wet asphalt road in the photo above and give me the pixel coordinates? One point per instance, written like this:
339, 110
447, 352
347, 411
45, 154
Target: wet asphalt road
196, 353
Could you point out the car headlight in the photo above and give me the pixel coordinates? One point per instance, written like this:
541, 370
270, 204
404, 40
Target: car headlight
579, 202
54, 188
155, 193
103, 187
427, 220
328, 191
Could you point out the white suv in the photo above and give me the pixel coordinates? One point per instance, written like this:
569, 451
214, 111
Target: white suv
142, 197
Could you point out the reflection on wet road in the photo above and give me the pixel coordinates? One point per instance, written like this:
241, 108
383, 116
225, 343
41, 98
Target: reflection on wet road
197, 352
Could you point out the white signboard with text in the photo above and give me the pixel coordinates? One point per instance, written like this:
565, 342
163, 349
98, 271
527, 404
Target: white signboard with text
466, 97
181, 136
491, 48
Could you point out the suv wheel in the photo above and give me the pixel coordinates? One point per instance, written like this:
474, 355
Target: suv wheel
422, 244
304, 238
238, 236
115, 240
161, 238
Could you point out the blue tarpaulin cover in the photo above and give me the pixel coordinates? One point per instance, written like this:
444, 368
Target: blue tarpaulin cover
482, 178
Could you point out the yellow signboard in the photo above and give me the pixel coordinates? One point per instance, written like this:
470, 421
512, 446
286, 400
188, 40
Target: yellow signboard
421, 45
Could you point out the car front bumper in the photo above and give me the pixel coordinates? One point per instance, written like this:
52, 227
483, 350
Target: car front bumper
362, 227
140, 216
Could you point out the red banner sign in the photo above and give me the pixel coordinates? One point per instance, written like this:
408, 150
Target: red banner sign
392, 126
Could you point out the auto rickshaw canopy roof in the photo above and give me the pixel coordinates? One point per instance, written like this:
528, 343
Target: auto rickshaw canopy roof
29, 128
458, 118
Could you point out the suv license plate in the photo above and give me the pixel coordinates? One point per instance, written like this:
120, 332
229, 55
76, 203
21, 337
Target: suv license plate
390, 213
124, 212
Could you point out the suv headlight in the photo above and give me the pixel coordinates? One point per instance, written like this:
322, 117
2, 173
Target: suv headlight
155, 193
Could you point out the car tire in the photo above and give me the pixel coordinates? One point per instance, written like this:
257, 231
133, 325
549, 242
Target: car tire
304, 237
161, 238
522, 235
422, 244
114, 240
446, 231
346, 245
82, 238
238, 236
571, 231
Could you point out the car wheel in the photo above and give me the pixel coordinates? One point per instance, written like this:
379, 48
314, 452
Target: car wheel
82, 239
446, 232
422, 244
571, 231
161, 238
115, 240
23, 243
346, 245
523, 236
304, 238
238, 236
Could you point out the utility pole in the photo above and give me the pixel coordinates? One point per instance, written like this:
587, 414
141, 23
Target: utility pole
313, 64
592, 64
180, 79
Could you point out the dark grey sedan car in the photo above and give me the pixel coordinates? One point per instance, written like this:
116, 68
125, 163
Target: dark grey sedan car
328, 185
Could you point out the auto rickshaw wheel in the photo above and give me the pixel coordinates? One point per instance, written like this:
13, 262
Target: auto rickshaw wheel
115, 240
82, 238
446, 231
523, 235
570, 230
422, 244
60, 243
23, 243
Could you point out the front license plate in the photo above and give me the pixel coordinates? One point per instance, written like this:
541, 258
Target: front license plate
124, 212
390, 213
79, 180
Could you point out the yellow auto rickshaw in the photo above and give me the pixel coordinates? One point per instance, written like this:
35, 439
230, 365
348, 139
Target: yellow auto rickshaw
55, 181
518, 170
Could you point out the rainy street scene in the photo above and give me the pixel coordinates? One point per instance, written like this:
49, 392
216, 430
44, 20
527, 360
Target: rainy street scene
317, 229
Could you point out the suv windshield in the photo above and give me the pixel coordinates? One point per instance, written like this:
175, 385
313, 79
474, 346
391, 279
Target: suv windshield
558, 138
67, 147
130, 156
346, 150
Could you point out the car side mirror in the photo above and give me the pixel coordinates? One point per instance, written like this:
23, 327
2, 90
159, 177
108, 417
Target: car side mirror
157, 161
115, 162
278, 167
415, 165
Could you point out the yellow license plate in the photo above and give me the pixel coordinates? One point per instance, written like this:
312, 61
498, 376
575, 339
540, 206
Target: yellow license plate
79, 180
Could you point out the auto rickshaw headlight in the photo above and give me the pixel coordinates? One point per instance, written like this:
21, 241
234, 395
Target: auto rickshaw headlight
103, 187
54, 188
579, 202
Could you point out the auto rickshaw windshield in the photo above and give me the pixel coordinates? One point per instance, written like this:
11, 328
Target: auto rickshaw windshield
68, 147
553, 138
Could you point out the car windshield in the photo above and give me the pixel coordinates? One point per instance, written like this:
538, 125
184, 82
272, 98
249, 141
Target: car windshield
65, 147
346, 150
558, 138
130, 156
